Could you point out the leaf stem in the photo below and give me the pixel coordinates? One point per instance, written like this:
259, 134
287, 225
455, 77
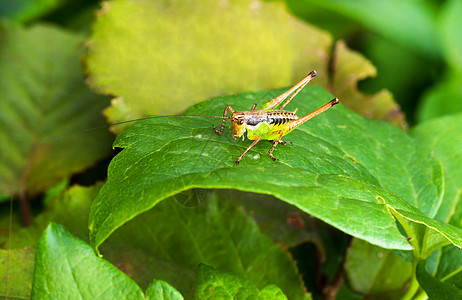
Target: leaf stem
414, 286
25, 209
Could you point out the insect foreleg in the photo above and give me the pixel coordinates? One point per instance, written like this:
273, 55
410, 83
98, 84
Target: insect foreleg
247, 150
231, 110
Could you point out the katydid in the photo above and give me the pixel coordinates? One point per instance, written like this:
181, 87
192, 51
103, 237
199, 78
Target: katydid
264, 123
268, 124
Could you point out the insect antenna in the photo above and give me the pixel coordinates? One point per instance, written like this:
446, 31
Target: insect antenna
139, 119
152, 117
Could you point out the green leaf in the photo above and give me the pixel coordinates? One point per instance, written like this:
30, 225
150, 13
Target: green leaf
435, 288
284, 223
442, 136
174, 239
43, 103
389, 19
213, 284
67, 268
443, 99
159, 290
169, 58
349, 171
446, 265
20, 266
69, 209
349, 68
26, 10
451, 35
372, 270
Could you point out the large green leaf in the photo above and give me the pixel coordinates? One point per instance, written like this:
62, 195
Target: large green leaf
67, 268
43, 103
349, 171
163, 56
174, 239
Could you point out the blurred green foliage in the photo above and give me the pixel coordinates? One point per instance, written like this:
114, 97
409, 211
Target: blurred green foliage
416, 46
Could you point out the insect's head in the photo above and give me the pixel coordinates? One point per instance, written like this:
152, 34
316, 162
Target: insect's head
237, 124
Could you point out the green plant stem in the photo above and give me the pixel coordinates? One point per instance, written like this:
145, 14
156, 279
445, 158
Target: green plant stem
421, 296
414, 286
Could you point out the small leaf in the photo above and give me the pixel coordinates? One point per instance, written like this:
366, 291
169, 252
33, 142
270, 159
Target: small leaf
169, 58
446, 264
373, 270
435, 288
67, 268
349, 68
44, 102
213, 284
159, 290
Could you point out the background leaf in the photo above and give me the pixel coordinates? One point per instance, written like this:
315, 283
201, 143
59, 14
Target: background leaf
325, 174
25, 10
416, 17
173, 239
20, 271
450, 25
349, 68
67, 268
372, 270
179, 58
441, 100
39, 116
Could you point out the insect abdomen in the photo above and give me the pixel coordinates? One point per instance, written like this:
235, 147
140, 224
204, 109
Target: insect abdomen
280, 117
